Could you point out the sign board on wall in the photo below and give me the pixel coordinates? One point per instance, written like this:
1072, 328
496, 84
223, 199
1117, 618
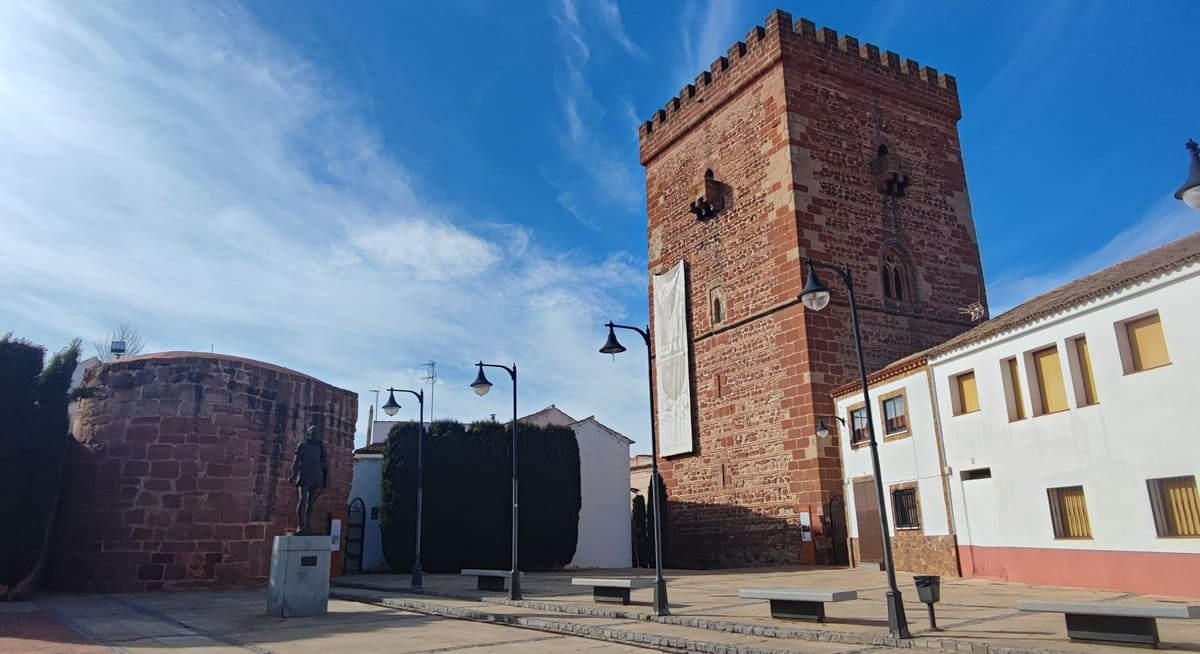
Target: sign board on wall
335, 535
672, 362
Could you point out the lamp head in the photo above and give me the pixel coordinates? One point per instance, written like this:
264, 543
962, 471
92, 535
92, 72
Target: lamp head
822, 428
391, 407
612, 345
481, 385
1190, 191
815, 295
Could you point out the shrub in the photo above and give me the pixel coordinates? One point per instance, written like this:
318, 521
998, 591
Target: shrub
34, 442
467, 517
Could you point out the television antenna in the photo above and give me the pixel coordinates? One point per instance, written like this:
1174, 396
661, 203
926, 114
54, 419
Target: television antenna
974, 311
431, 379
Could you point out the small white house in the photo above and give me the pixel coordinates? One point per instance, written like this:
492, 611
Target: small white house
1060, 432
604, 531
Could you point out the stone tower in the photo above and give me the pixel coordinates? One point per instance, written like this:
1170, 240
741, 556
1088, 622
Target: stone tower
798, 144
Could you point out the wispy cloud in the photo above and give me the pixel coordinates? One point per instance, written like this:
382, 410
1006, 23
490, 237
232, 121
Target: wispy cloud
708, 29
1162, 224
607, 165
181, 169
610, 17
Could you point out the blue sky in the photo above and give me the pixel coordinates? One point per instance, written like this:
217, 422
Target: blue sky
352, 189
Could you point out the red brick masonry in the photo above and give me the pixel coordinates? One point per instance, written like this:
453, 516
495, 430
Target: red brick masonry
179, 474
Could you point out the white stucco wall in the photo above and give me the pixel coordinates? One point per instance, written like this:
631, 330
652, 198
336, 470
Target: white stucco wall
907, 459
367, 484
604, 536
1143, 427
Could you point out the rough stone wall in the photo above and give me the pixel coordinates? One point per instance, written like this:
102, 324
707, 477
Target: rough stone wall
789, 123
179, 474
915, 552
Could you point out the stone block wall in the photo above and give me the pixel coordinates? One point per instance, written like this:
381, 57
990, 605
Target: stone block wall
917, 553
178, 477
790, 123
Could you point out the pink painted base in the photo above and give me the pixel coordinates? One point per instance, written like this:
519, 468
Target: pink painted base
1152, 573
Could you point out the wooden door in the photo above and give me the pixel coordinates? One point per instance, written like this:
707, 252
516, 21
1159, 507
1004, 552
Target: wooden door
866, 512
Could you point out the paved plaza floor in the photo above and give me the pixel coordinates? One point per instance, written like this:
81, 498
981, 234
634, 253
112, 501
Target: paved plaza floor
378, 613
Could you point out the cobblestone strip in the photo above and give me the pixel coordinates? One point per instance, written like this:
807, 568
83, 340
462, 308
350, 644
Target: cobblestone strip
602, 633
727, 626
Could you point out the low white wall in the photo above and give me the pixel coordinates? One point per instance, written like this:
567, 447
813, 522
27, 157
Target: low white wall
368, 485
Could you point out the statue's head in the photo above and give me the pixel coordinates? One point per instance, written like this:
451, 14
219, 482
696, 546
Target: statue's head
314, 433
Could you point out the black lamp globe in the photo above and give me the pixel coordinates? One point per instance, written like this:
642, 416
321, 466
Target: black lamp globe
612, 345
391, 406
481, 385
1190, 191
815, 295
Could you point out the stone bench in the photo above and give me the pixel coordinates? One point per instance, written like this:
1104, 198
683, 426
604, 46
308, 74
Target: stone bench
488, 579
1113, 622
798, 603
608, 589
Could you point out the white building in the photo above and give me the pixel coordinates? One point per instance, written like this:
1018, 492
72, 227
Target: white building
604, 532
605, 540
1067, 452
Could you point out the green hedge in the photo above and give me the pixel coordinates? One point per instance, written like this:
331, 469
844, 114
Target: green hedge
468, 491
34, 441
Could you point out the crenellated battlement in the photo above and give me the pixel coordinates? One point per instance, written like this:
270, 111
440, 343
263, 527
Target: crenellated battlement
778, 37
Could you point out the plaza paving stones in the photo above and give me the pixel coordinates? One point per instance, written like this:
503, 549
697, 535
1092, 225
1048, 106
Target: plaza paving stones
707, 615
235, 622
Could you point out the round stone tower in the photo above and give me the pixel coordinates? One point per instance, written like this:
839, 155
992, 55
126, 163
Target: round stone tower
178, 477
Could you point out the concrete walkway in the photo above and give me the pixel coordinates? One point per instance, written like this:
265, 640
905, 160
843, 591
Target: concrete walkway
234, 622
707, 615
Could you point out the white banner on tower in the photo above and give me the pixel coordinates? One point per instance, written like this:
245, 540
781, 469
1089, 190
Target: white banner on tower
672, 362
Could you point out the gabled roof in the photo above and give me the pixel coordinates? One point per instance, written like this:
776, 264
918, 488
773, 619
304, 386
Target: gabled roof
373, 448
550, 415
1145, 266
1148, 265
604, 428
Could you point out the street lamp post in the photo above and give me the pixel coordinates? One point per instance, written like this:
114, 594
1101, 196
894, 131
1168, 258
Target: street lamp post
815, 296
1190, 191
613, 346
481, 386
391, 407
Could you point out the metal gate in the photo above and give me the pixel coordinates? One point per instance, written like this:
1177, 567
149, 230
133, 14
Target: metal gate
835, 530
356, 519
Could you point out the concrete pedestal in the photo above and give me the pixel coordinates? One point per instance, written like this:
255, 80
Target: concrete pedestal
299, 583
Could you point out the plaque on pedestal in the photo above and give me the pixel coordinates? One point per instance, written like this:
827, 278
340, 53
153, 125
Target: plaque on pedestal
299, 584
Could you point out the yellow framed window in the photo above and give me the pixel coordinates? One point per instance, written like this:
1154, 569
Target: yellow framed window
1051, 391
1086, 381
1147, 346
1068, 512
1016, 398
1176, 505
968, 395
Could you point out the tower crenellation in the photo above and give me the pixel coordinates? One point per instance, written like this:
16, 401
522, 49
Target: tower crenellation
843, 55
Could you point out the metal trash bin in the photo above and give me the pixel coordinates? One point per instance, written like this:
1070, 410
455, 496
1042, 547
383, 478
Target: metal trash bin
929, 590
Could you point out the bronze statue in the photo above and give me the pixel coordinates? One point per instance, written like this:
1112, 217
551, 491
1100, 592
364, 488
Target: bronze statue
310, 472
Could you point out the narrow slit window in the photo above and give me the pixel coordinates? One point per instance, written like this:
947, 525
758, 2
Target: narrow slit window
1086, 380
1016, 396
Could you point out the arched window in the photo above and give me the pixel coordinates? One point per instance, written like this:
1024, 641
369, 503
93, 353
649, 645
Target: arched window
895, 275
718, 315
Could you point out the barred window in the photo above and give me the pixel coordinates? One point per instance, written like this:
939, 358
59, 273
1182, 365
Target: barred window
904, 508
1176, 505
1068, 512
